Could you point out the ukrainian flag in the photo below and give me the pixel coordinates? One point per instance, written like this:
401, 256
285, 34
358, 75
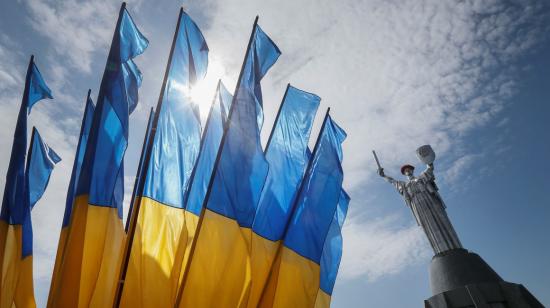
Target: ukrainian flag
153, 270
286, 153
295, 277
71, 192
92, 254
139, 173
202, 173
218, 270
40, 163
16, 286
332, 253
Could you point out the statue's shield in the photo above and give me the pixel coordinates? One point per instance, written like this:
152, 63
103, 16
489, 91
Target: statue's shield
426, 154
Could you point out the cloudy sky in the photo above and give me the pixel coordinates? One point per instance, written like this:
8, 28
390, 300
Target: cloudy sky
471, 78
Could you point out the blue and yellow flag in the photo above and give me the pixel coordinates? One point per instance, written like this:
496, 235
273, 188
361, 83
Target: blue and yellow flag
15, 227
332, 253
71, 192
286, 153
92, 254
140, 177
295, 277
152, 274
218, 271
202, 173
40, 163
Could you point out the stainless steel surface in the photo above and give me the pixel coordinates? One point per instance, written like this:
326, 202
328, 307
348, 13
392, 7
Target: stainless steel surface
422, 197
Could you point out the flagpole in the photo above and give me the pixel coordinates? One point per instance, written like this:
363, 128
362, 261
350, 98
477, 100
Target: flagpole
55, 270
295, 203
147, 158
276, 119
192, 176
139, 173
29, 156
177, 266
212, 176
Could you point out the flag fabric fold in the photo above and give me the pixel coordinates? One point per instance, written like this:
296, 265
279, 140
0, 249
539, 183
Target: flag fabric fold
40, 167
85, 127
295, 278
286, 153
91, 258
16, 286
218, 270
200, 177
153, 270
40, 164
332, 253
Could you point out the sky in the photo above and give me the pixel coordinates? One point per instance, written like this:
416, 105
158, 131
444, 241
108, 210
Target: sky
468, 77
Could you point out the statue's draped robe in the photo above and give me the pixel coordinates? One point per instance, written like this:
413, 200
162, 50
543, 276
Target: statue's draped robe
420, 194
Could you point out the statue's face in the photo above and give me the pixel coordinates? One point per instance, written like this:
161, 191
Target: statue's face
409, 172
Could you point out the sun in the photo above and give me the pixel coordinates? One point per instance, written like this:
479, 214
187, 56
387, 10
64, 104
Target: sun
202, 93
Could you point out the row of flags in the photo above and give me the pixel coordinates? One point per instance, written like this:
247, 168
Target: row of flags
215, 220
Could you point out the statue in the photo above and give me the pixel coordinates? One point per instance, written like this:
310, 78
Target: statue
422, 197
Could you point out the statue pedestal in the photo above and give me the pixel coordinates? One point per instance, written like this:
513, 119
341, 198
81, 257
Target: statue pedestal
460, 279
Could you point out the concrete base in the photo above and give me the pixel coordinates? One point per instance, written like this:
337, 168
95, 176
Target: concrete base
461, 279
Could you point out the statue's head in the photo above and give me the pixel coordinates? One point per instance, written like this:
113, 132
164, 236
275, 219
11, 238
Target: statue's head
407, 170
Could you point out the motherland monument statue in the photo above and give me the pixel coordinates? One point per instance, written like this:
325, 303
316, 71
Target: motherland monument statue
458, 278
422, 196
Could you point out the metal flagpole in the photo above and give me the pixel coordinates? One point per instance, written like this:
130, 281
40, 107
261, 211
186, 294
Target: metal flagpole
139, 173
206, 127
212, 176
294, 205
276, 119
147, 158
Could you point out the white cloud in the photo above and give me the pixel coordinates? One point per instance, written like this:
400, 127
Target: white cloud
75, 29
376, 248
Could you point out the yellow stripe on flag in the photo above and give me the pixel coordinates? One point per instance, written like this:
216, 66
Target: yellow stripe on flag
294, 282
211, 282
16, 287
155, 258
263, 254
322, 300
58, 261
92, 257
11, 266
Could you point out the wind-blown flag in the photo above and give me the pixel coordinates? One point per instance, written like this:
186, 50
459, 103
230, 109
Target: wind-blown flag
71, 192
153, 273
218, 270
295, 278
16, 203
89, 271
40, 166
40, 163
332, 253
288, 160
200, 177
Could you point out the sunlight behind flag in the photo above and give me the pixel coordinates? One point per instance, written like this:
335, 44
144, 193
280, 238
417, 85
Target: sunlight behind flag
151, 270
218, 270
